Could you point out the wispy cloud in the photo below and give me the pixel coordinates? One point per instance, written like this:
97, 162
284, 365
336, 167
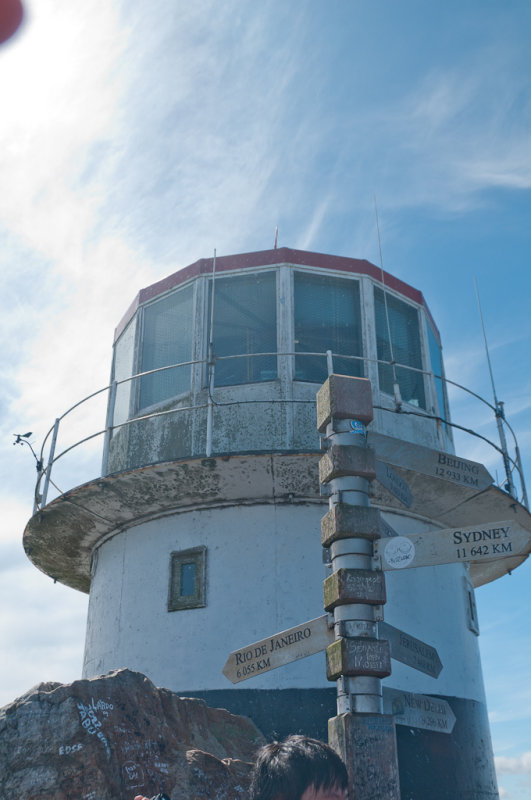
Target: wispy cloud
519, 764
307, 238
462, 130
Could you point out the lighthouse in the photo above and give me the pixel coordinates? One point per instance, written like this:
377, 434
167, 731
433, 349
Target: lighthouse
203, 532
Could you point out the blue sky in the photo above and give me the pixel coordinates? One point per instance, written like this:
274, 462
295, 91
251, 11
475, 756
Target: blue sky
137, 137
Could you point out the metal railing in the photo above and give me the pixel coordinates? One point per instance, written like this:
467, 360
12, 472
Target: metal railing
44, 472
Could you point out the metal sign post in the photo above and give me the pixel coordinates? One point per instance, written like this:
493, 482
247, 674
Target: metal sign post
355, 592
361, 547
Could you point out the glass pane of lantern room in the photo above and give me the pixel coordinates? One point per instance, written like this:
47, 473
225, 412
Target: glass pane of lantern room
166, 339
405, 336
327, 317
437, 369
124, 353
245, 322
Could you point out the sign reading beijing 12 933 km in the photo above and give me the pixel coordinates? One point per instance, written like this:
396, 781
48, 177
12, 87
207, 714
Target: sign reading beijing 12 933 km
281, 648
435, 463
485, 542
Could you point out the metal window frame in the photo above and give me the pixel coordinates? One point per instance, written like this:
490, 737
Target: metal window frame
135, 406
445, 411
424, 353
332, 276
196, 556
234, 275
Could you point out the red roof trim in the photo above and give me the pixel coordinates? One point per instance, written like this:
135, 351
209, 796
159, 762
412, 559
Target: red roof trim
266, 258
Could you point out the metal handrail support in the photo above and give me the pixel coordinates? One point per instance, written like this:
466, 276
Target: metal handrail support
109, 426
51, 455
500, 417
521, 475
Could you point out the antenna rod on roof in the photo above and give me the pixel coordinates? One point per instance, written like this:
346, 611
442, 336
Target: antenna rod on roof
211, 364
500, 414
396, 387
276, 237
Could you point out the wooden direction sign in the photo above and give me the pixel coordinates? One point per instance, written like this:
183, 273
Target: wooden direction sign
392, 481
411, 651
430, 462
476, 543
312, 637
418, 710
281, 648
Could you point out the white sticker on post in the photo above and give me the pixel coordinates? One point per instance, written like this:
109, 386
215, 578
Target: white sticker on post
399, 552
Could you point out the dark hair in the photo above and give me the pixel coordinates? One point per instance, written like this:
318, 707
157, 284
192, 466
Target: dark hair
286, 769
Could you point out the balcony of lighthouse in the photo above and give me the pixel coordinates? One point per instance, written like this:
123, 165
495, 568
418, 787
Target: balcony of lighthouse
226, 357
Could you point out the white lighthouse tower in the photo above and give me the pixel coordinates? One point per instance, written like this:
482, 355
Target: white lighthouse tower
203, 533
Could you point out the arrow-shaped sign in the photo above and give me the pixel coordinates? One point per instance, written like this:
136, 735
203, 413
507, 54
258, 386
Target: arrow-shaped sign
411, 651
392, 481
418, 710
312, 637
281, 648
484, 542
430, 462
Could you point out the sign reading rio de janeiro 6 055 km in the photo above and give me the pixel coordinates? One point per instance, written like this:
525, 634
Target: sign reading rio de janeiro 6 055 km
484, 542
281, 648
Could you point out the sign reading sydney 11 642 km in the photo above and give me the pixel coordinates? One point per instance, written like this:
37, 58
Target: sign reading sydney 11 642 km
486, 542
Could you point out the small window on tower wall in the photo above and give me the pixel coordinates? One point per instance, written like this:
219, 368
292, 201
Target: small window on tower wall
187, 579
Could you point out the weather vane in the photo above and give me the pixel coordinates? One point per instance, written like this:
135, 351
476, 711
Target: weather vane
22, 438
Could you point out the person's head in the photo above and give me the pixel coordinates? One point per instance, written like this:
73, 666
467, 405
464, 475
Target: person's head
299, 768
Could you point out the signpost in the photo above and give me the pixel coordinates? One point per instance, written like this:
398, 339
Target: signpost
392, 481
419, 710
281, 648
360, 647
484, 542
435, 463
411, 651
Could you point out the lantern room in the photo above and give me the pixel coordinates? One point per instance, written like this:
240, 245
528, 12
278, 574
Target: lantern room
229, 352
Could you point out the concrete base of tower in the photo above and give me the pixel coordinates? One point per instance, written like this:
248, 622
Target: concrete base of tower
440, 766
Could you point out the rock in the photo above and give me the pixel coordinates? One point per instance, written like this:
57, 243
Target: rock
115, 736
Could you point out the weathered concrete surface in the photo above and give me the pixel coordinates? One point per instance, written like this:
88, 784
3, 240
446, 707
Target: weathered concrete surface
61, 537
116, 736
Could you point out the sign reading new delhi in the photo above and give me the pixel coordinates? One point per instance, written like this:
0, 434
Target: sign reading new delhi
418, 710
